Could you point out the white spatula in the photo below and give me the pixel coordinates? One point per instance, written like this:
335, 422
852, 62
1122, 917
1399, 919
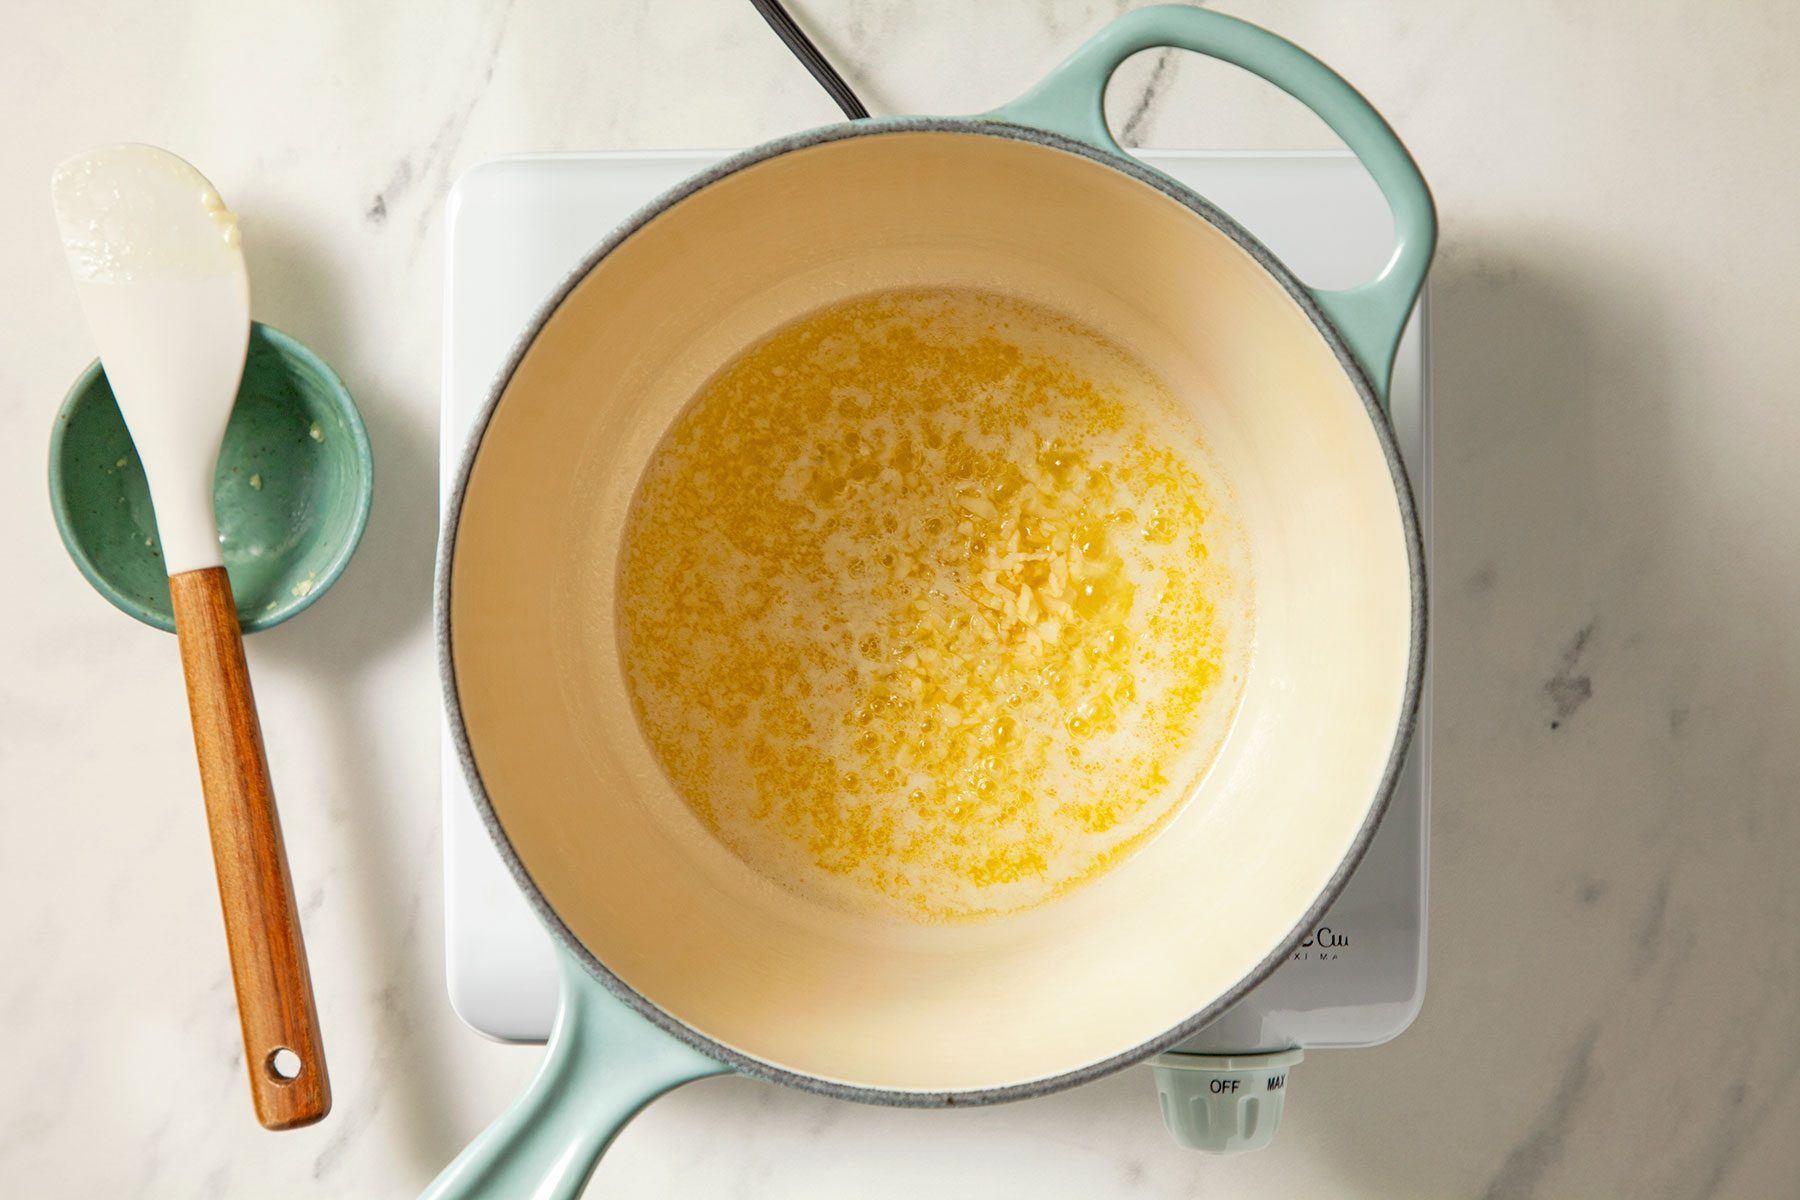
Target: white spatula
161, 278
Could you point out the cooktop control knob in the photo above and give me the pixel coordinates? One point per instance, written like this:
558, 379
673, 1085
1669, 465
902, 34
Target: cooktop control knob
1223, 1104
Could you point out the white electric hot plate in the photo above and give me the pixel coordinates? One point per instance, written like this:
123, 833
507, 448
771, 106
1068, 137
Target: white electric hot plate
518, 226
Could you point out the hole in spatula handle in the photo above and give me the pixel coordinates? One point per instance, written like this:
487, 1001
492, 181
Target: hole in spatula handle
283, 1065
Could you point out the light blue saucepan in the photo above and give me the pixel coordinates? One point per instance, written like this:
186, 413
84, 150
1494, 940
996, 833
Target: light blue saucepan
668, 974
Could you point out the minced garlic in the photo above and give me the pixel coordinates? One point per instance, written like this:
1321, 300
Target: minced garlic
927, 605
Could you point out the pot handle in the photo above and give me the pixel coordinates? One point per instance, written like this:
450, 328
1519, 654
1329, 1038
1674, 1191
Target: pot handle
604, 1063
1070, 101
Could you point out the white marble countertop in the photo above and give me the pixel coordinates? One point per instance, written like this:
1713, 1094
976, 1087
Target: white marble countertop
1614, 1003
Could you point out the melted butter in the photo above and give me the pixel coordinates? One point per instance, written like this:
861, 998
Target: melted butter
928, 606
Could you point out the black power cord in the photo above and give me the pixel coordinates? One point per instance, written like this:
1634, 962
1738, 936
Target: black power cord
810, 58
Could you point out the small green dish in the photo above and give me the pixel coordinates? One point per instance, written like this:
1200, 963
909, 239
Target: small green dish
291, 494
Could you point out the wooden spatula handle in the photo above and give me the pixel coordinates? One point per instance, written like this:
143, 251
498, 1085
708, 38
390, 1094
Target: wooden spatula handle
262, 924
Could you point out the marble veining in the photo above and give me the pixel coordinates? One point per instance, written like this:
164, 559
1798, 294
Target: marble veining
1570, 687
1525, 1165
1132, 130
428, 168
1614, 970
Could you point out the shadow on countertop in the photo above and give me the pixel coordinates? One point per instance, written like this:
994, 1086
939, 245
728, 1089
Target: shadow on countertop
386, 858
1605, 1013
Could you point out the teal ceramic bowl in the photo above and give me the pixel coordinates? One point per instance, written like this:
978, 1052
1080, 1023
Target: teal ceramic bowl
291, 494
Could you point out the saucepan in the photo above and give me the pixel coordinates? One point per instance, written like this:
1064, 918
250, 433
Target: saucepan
677, 961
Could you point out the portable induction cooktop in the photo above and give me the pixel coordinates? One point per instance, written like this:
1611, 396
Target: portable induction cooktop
518, 226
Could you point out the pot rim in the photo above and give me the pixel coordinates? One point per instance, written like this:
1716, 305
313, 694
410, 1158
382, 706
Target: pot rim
1406, 725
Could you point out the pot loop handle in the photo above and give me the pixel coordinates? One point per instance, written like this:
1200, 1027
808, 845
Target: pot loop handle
1071, 101
604, 1063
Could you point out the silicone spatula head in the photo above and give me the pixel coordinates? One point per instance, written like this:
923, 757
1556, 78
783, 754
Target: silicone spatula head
157, 263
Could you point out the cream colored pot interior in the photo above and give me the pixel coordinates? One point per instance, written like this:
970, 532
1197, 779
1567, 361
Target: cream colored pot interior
860, 1000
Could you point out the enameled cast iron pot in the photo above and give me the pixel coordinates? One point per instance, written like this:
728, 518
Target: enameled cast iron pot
678, 961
